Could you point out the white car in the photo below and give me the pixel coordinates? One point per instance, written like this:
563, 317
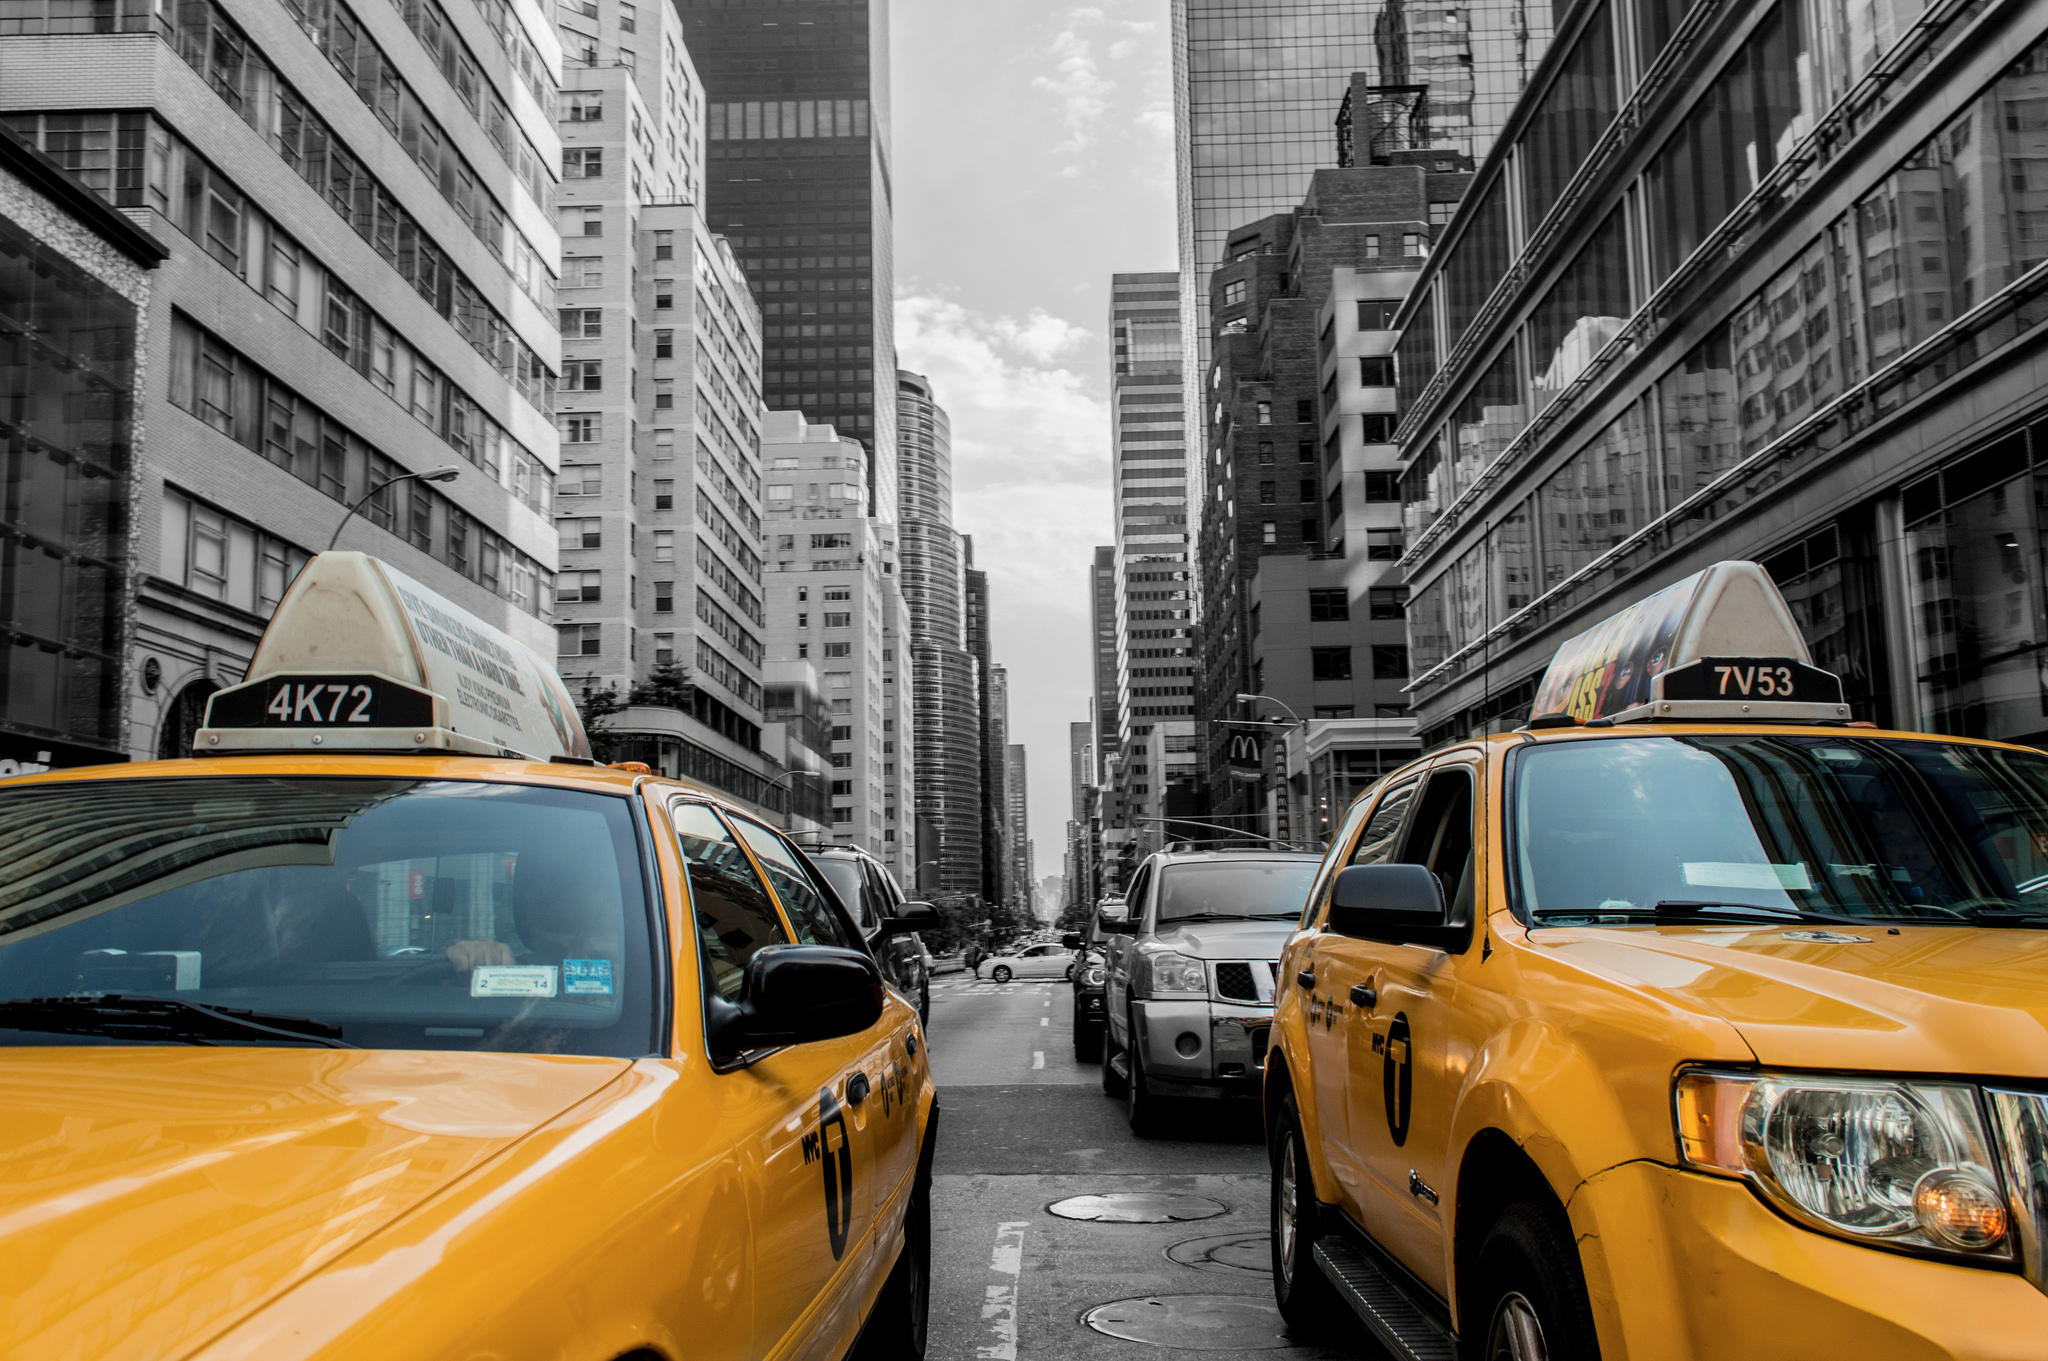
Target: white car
1032, 961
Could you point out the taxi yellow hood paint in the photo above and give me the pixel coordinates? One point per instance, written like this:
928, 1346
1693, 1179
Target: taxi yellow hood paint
1932, 999
151, 1196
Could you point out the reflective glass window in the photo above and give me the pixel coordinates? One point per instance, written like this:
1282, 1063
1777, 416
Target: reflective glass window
1570, 117
1478, 260
1486, 421
1584, 310
1598, 498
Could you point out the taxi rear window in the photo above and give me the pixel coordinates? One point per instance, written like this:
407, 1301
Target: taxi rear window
409, 914
1763, 823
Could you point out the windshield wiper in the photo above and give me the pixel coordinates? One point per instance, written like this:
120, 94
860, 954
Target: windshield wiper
1682, 910
160, 1018
2007, 916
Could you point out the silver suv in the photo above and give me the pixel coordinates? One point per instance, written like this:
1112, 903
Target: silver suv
1189, 992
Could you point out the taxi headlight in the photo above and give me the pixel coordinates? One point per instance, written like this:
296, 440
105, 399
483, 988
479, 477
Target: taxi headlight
1907, 1164
1172, 975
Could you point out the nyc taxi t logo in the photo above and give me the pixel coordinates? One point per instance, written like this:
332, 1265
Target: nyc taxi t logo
838, 1168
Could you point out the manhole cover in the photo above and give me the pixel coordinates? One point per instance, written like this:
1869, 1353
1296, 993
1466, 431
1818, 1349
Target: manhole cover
1138, 1208
1195, 1323
1231, 1254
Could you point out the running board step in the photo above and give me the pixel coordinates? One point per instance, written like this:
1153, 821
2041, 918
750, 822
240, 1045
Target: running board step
1401, 1328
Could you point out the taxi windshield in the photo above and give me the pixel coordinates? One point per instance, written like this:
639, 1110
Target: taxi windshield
1241, 888
389, 914
1759, 824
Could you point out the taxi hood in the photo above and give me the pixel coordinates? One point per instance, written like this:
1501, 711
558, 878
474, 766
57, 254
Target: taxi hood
1931, 999
156, 1195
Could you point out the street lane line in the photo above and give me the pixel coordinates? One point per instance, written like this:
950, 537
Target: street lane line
1038, 1058
999, 1302
1045, 1020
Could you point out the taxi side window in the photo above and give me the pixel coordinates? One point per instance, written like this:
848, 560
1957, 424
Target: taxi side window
735, 916
814, 918
1382, 834
1440, 835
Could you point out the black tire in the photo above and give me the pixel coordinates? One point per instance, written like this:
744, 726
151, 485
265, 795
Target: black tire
1527, 1300
1306, 1298
1141, 1107
898, 1328
1112, 1085
1000, 973
1087, 1042
924, 1005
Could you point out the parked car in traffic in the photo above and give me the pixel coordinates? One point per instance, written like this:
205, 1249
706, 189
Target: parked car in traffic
1091, 968
872, 898
1189, 986
1029, 961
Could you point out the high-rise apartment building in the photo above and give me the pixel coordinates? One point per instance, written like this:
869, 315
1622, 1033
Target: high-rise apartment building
833, 600
1257, 83
993, 713
1636, 355
1154, 571
359, 203
1017, 831
659, 506
798, 177
945, 678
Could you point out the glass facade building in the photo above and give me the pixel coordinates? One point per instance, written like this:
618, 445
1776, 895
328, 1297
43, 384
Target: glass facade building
797, 176
1746, 281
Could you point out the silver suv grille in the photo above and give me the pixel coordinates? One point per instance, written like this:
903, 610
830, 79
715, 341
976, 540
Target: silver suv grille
1247, 981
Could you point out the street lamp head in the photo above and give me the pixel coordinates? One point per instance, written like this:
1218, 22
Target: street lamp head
448, 474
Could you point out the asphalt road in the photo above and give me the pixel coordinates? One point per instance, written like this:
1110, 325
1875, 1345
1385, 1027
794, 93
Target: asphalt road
1022, 1126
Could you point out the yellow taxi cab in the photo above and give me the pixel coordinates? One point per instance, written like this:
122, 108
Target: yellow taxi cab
1692, 1020
393, 1026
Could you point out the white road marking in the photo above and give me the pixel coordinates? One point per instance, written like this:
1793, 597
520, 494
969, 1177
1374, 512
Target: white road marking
999, 1302
1038, 1058
1045, 1020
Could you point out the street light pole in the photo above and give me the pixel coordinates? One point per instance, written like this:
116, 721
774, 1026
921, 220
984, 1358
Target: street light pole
448, 474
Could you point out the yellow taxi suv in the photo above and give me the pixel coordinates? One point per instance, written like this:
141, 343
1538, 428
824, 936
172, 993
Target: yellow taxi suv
1693, 1020
392, 1026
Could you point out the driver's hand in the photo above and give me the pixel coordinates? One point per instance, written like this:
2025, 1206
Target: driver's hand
467, 954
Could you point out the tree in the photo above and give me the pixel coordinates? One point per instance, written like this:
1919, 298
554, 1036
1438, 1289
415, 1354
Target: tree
597, 708
667, 686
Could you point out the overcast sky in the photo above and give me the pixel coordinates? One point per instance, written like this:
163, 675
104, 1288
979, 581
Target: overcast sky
1033, 159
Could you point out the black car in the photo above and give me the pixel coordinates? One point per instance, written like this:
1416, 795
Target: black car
870, 894
1087, 976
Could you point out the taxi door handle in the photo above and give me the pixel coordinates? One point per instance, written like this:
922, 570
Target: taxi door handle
856, 1089
1362, 996
1307, 978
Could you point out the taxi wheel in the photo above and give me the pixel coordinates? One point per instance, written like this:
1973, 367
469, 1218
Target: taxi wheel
1001, 973
924, 1005
897, 1329
1306, 1298
1531, 1290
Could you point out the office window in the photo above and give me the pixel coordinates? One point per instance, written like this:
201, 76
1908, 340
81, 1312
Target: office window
1377, 314
664, 444
583, 271
1269, 532
1269, 493
1376, 428
1411, 243
1304, 413
1265, 453
664, 294
664, 394
782, 492
1328, 606
591, 221
580, 533
664, 245
628, 19
1389, 602
842, 732
582, 429
1330, 663
664, 344
1383, 545
838, 619
1372, 248
664, 597
842, 760
1390, 660
580, 479
1382, 486
573, 588
839, 649
1265, 410
585, 108
1233, 292
1376, 371
582, 163
583, 375
1305, 451
664, 649
664, 493
578, 640
1333, 711
664, 545
582, 323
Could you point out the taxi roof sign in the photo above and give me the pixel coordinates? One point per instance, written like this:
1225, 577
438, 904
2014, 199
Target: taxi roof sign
360, 657
1720, 644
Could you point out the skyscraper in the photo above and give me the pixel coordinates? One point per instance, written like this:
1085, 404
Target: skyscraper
798, 177
1154, 591
1257, 84
945, 681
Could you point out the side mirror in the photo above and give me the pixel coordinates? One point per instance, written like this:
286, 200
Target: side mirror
796, 994
1400, 904
911, 917
1071, 941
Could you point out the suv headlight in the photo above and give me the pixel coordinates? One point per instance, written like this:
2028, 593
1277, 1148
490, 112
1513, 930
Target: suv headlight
1905, 1164
1170, 975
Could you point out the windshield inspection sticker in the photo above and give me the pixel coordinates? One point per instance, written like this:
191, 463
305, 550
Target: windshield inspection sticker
512, 980
587, 977
1733, 874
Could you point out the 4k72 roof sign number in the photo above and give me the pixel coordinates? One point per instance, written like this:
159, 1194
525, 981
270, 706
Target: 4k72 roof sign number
322, 702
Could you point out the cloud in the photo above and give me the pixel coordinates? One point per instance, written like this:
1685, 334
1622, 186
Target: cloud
1087, 93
